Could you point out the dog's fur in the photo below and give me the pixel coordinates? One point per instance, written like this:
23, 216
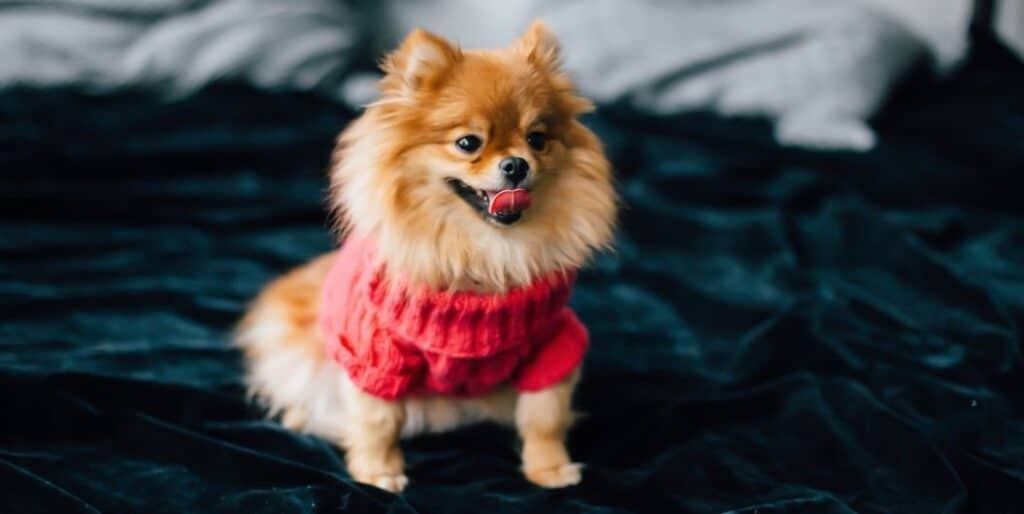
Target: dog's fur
388, 180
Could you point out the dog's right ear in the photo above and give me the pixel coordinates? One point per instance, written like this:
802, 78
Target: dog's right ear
418, 62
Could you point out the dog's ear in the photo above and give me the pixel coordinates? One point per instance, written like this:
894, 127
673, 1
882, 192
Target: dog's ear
420, 60
540, 46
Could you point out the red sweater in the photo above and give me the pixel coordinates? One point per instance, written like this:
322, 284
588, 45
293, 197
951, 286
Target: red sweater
394, 339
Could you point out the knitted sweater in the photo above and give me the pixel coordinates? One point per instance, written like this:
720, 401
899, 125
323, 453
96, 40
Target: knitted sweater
394, 339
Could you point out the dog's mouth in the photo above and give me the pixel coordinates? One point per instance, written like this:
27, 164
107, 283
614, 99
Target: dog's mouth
503, 206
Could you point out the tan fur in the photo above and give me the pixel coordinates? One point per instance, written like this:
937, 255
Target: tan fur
388, 180
391, 162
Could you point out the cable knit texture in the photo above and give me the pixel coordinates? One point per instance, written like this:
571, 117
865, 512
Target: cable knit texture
395, 339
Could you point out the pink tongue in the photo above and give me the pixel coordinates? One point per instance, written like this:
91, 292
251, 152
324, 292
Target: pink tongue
509, 201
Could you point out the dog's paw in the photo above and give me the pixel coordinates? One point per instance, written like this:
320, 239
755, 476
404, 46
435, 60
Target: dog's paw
562, 475
385, 470
294, 419
393, 483
387, 477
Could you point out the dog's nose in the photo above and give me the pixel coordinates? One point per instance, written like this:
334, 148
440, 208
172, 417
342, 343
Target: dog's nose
514, 168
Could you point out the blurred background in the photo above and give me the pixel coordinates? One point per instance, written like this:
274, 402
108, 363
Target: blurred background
818, 68
815, 304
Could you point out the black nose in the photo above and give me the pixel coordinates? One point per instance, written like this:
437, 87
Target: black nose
514, 168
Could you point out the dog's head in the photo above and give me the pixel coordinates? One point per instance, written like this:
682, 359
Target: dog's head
472, 169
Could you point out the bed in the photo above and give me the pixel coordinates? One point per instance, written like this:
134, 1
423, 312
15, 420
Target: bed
778, 330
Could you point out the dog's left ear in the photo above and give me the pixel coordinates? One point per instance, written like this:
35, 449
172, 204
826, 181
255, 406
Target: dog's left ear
540, 46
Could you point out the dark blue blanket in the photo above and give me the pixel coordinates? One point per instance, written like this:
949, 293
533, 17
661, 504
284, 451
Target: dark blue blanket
778, 331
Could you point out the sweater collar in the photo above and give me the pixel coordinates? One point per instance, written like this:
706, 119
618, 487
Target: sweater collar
467, 323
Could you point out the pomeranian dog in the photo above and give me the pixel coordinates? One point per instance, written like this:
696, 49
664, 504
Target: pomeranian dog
468, 196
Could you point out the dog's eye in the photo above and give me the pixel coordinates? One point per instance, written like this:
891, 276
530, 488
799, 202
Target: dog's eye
537, 140
468, 144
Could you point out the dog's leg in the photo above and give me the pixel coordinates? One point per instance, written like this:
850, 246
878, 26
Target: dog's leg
543, 418
370, 438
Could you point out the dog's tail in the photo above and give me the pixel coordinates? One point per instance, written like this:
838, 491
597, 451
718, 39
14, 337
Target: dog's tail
287, 369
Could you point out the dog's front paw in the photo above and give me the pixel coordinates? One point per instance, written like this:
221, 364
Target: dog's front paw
391, 483
384, 470
562, 475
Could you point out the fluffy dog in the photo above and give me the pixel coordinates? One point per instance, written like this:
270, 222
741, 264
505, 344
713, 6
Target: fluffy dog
468, 196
